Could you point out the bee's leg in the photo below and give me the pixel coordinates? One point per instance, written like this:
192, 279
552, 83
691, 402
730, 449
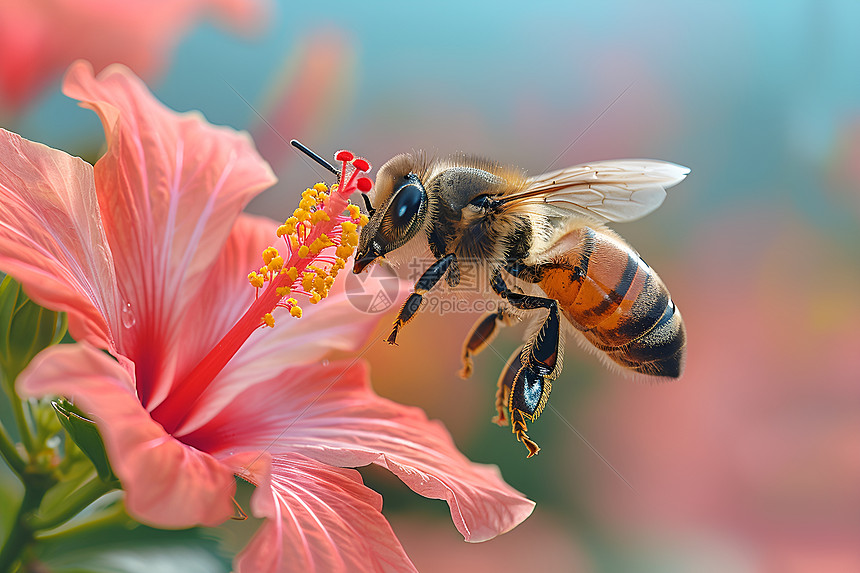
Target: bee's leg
518, 423
505, 383
540, 363
427, 281
482, 333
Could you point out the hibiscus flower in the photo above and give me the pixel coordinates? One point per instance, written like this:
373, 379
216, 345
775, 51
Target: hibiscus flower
148, 252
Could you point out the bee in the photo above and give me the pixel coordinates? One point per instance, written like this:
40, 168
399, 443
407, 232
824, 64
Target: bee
547, 232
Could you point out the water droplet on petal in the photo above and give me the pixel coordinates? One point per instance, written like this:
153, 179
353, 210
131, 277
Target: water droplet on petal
128, 318
325, 363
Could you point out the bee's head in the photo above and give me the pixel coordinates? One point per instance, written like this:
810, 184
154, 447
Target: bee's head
401, 207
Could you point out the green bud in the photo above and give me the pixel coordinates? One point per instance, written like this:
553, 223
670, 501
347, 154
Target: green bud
84, 433
25, 328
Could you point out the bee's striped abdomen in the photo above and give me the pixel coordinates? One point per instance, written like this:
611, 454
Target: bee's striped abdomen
617, 301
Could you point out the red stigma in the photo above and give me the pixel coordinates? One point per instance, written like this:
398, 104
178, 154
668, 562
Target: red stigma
348, 184
344, 155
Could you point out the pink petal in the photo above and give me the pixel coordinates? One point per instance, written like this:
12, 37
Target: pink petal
167, 483
227, 295
51, 239
170, 188
319, 519
329, 326
330, 414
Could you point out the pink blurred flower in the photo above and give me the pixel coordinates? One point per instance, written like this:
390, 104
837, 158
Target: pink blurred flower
148, 252
40, 38
308, 92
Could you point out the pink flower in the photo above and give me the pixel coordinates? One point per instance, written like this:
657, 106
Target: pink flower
149, 252
40, 38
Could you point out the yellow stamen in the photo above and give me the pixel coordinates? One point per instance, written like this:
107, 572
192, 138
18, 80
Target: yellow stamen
343, 252
303, 233
319, 217
319, 244
269, 254
349, 226
276, 263
307, 281
255, 280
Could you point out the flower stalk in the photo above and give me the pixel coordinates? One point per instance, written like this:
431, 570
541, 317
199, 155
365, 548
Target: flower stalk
10, 453
75, 503
22, 533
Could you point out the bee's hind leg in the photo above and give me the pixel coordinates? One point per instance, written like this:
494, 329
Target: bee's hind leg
504, 385
539, 360
482, 334
427, 281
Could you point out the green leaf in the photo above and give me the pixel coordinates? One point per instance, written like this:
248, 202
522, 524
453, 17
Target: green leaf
139, 549
11, 492
74, 475
25, 328
86, 435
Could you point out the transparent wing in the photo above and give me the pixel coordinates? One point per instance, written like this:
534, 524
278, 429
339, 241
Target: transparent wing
615, 190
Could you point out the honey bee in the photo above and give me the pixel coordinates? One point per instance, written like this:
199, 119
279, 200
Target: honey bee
547, 231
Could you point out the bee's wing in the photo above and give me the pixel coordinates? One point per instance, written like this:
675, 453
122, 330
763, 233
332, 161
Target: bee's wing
616, 190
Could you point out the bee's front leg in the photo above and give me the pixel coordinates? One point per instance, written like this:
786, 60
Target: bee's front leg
538, 365
427, 281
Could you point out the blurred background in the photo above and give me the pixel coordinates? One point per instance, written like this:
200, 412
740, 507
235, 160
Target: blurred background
751, 462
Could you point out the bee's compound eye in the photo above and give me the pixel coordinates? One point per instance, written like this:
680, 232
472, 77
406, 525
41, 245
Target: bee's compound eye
406, 204
404, 214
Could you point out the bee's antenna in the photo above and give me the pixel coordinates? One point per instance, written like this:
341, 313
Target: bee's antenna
301, 147
368, 206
